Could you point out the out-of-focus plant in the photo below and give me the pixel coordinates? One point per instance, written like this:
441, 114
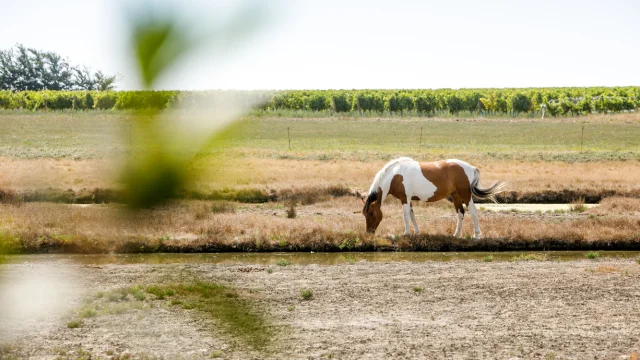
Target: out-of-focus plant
157, 169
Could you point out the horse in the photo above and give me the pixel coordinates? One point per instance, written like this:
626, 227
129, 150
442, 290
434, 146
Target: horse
407, 179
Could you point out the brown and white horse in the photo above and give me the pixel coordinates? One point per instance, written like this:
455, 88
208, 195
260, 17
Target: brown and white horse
407, 180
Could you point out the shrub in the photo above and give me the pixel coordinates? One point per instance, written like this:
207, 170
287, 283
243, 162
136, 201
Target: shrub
283, 262
520, 103
318, 102
74, 324
592, 255
291, 209
342, 102
306, 294
105, 100
578, 205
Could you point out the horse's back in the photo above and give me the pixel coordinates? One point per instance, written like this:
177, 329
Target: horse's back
448, 176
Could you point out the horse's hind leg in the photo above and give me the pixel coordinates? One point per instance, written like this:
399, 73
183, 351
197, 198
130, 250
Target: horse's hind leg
413, 219
457, 203
467, 199
474, 214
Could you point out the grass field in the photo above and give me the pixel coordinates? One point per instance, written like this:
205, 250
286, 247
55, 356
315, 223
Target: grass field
83, 150
82, 135
75, 157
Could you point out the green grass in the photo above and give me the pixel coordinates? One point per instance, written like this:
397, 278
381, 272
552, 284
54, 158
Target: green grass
160, 292
284, 262
88, 313
306, 294
235, 314
74, 324
113, 297
530, 257
348, 259
592, 255
418, 289
217, 354
97, 134
137, 293
488, 258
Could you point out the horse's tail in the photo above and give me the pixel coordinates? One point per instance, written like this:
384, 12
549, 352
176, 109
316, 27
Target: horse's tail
488, 193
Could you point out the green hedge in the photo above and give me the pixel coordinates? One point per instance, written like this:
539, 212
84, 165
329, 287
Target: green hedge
557, 101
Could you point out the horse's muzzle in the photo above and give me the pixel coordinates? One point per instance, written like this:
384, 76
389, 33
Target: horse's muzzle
371, 231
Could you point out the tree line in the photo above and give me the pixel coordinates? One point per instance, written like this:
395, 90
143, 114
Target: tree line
29, 69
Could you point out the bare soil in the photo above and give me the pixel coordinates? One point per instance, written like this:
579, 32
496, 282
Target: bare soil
583, 309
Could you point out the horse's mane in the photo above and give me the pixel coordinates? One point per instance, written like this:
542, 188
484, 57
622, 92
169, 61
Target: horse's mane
373, 190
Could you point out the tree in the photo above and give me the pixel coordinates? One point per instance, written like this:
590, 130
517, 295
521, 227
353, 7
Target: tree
104, 82
30, 69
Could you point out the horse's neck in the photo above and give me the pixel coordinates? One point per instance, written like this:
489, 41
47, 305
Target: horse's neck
384, 181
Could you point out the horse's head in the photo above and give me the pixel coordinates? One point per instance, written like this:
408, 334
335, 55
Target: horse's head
371, 211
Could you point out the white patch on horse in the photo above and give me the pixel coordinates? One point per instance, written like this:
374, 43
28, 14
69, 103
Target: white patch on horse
415, 184
382, 180
468, 169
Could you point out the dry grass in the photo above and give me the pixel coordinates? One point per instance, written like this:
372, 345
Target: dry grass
310, 181
606, 269
617, 205
328, 226
577, 205
27, 174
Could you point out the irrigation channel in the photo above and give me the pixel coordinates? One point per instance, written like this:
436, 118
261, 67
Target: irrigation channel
303, 258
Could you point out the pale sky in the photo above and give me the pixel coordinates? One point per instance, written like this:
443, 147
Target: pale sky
357, 44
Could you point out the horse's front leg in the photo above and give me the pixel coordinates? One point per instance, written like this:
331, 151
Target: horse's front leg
406, 210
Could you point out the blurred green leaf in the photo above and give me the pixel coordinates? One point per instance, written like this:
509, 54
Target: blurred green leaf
159, 43
158, 169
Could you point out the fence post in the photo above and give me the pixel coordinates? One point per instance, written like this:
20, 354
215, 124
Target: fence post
582, 137
289, 137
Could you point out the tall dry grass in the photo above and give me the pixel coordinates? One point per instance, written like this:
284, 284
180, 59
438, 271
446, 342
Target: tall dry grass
284, 175
328, 226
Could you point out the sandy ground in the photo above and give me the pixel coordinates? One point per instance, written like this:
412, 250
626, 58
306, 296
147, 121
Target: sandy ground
585, 309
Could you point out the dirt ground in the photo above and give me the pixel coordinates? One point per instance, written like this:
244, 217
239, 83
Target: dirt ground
585, 309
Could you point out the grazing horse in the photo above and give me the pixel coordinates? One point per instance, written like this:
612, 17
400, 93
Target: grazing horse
407, 180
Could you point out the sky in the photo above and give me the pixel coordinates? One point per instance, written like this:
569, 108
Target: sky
355, 44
